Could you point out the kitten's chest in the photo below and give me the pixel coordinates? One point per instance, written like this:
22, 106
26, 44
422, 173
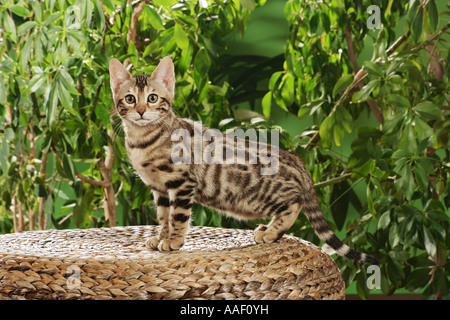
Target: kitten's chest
155, 167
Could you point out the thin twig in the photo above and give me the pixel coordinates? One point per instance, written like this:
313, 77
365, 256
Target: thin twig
332, 181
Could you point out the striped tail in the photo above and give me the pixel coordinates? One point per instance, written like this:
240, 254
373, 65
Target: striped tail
322, 229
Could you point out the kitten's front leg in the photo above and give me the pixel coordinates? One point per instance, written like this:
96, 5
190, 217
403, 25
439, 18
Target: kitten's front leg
162, 212
181, 201
174, 219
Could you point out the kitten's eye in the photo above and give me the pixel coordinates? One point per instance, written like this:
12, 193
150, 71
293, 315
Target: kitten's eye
130, 99
152, 98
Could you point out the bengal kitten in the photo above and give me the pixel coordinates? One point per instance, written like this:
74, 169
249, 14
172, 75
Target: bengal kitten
144, 104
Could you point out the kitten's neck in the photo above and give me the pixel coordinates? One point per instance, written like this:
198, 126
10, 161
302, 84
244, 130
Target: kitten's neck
135, 132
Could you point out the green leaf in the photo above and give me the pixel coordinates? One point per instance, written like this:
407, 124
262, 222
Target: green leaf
52, 104
338, 134
364, 93
325, 22
314, 21
267, 104
25, 55
421, 176
53, 18
68, 167
40, 189
181, 38
433, 14
393, 123
133, 53
155, 19
241, 115
398, 100
370, 204
443, 137
373, 68
384, 220
24, 27
361, 285
429, 111
340, 199
344, 118
248, 4
67, 81
274, 80
10, 27
287, 90
20, 10
408, 140
202, 63
342, 83
65, 97
394, 237
417, 24
165, 3
325, 131
81, 209
99, 15
423, 130
3, 96
430, 243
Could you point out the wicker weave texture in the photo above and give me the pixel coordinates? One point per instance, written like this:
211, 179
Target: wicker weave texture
113, 263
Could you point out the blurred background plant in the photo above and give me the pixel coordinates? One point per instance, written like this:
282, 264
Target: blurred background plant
366, 108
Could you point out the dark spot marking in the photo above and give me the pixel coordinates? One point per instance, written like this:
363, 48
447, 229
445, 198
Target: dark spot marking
174, 183
180, 217
163, 202
141, 81
280, 235
164, 168
144, 144
183, 203
145, 164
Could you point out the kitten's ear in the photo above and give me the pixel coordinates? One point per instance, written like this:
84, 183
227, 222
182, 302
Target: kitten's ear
117, 75
165, 74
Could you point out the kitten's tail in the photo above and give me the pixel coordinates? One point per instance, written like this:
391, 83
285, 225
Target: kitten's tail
322, 229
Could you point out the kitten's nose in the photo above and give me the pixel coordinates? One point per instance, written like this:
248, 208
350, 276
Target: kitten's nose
140, 111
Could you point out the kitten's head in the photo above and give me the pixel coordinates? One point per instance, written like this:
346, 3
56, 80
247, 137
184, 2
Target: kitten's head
143, 99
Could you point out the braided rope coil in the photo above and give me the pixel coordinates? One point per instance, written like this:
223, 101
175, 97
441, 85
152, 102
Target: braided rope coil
113, 263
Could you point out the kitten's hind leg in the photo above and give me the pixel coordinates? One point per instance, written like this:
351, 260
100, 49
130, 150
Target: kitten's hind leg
162, 212
283, 219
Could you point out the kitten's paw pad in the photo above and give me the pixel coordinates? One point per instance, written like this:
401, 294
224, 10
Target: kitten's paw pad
152, 243
170, 245
265, 235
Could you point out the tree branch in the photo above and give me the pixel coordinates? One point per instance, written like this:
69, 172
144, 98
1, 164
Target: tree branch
103, 184
351, 53
132, 31
359, 76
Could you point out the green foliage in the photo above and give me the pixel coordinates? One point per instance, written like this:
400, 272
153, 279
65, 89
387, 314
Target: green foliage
377, 148
55, 101
401, 154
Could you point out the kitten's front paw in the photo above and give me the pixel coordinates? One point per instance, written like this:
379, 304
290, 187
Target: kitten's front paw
265, 235
152, 243
170, 245
164, 245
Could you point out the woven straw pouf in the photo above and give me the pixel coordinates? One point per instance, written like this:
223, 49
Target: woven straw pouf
113, 263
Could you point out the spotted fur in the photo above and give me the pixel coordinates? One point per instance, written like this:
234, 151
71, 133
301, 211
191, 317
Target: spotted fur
240, 190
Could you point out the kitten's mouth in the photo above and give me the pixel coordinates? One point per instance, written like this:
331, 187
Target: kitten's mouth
141, 122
